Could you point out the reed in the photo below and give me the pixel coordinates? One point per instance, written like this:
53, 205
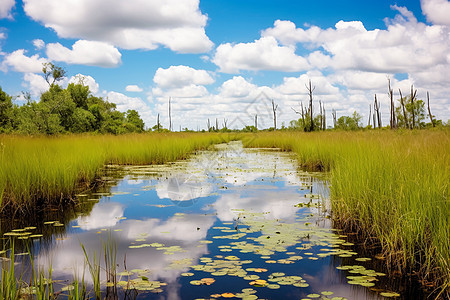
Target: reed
10, 286
388, 186
39, 170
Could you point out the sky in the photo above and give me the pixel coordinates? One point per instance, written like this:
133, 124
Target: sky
228, 60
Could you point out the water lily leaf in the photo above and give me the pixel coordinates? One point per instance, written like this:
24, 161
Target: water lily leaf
390, 294
228, 295
327, 293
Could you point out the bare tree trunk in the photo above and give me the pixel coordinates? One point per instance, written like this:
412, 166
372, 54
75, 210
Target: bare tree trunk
256, 122
310, 91
274, 109
157, 123
377, 108
333, 113
209, 125
170, 115
429, 110
217, 125
225, 121
320, 108
413, 95
405, 116
391, 97
374, 120
370, 115
324, 119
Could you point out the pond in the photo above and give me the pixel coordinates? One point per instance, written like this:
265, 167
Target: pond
230, 223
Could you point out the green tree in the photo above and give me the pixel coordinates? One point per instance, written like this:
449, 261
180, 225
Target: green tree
419, 113
82, 121
135, 123
79, 94
305, 124
53, 73
6, 112
349, 123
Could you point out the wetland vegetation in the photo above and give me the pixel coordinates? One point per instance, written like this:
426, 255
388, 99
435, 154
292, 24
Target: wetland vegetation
384, 190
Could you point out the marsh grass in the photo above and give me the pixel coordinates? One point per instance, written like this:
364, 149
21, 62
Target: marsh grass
10, 285
36, 171
391, 187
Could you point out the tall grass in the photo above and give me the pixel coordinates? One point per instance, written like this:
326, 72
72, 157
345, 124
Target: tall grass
41, 169
391, 186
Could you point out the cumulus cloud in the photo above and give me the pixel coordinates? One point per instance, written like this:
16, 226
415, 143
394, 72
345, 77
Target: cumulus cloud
85, 53
19, 62
135, 24
36, 84
133, 88
5, 8
436, 11
85, 80
125, 103
405, 46
237, 87
180, 76
262, 54
38, 44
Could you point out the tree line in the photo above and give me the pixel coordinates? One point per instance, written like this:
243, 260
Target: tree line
70, 110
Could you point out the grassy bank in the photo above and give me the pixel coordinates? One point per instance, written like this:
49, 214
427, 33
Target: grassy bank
34, 170
391, 187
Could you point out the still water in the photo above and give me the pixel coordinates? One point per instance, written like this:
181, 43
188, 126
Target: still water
231, 223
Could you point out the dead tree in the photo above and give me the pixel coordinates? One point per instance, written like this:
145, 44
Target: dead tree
405, 116
374, 120
391, 97
370, 115
170, 115
157, 123
324, 125
311, 89
321, 120
333, 113
209, 125
413, 96
274, 109
302, 113
217, 125
429, 110
256, 121
376, 107
225, 121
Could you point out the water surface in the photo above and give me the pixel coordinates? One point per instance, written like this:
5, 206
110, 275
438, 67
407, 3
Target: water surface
234, 222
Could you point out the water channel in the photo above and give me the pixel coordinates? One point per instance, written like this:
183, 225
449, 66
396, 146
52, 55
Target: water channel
230, 223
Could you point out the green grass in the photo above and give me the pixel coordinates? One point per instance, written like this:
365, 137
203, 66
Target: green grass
391, 186
40, 170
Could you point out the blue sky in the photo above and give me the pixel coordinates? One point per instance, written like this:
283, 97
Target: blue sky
229, 59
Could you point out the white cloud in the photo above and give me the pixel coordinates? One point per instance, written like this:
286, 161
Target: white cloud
85, 53
180, 76
19, 62
85, 80
38, 44
135, 24
5, 8
237, 87
125, 103
262, 54
360, 80
437, 11
35, 83
405, 46
133, 88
